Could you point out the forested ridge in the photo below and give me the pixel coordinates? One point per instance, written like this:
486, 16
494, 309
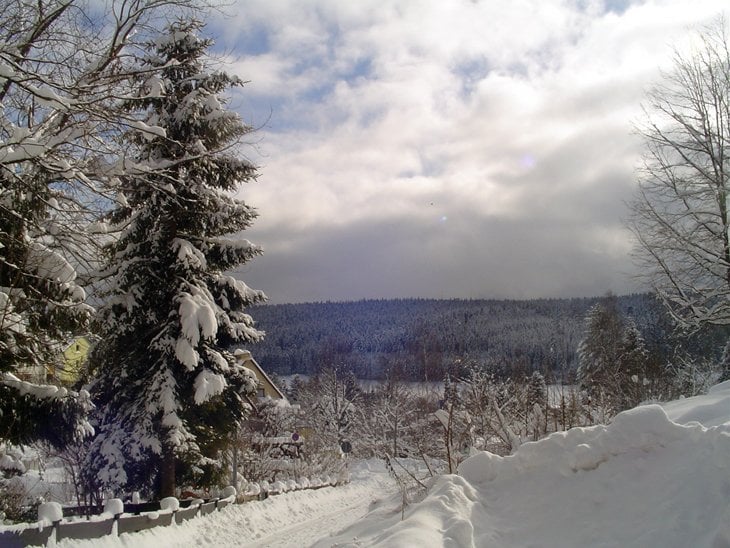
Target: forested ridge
422, 338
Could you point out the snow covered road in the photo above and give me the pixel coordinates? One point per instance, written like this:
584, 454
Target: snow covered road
334, 515
301, 518
295, 519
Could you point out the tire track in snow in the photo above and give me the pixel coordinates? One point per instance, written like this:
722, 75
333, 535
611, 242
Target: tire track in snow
310, 531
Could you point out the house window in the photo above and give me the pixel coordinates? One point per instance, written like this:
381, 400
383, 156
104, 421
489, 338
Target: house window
260, 392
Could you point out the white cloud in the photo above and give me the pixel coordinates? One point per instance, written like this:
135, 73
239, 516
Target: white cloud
493, 115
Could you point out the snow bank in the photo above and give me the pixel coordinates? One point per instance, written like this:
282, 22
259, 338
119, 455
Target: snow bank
229, 493
710, 410
656, 476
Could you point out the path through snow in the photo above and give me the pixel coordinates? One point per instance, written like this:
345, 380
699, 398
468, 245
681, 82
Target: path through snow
291, 520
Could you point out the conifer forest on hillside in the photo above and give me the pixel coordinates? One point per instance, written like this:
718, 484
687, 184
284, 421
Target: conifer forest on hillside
421, 339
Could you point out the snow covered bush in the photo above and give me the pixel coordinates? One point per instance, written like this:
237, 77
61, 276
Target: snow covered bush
266, 448
331, 416
16, 504
20, 493
38, 412
72, 461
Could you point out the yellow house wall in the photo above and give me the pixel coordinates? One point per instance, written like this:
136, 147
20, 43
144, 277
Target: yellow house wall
74, 358
263, 382
244, 357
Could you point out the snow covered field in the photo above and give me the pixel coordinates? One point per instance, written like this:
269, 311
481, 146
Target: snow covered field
657, 476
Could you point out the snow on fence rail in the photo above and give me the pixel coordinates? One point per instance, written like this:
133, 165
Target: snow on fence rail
118, 518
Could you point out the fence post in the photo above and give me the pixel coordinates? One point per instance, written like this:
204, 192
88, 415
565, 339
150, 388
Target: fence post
115, 525
54, 535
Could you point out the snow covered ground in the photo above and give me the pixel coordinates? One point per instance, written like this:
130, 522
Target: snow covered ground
294, 519
657, 476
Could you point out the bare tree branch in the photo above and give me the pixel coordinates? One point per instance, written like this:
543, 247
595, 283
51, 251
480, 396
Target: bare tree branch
680, 213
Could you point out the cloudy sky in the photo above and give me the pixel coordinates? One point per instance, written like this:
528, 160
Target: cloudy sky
450, 148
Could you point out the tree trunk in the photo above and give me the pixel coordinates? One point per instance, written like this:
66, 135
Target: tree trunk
167, 472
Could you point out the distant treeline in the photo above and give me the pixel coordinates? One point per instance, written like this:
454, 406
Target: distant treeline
421, 339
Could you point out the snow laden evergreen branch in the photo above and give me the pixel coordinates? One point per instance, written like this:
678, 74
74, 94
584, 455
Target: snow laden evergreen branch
169, 392
43, 412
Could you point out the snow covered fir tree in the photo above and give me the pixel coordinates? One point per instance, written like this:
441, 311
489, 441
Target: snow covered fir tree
168, 391
613, 361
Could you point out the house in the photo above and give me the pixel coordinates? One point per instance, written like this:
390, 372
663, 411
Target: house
279, 450
266, 388
64, 368
74, 361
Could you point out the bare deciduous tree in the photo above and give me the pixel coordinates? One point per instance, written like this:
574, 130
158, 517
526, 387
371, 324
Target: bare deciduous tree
680, 213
